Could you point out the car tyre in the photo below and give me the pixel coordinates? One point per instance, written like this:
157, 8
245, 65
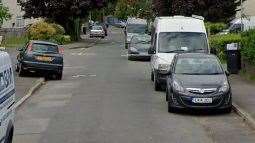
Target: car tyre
152, 76
59, 76
227, 110
170, 108
9, 136
22, 72
167, 94
157, 86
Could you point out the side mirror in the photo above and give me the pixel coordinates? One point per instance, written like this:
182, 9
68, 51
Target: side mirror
151, 51
227, 73
20, 49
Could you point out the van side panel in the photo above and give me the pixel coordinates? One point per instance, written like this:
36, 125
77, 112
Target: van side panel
7, 94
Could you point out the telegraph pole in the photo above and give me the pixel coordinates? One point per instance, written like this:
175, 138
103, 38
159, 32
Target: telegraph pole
242, 14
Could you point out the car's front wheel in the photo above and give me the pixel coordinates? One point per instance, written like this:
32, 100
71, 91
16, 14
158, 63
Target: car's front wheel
9, 136
170, 108
152, 76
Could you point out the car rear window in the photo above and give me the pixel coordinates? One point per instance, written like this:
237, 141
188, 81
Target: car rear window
45, 48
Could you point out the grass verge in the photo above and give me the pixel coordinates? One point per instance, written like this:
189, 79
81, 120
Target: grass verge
14, 42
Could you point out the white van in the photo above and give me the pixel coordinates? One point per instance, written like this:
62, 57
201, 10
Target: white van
135, 26
172, 35
7, 98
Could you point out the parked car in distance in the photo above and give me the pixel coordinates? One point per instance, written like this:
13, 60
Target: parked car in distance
139, 46
134, 26
7, 97
198, 81
173, 35
40, 56
97, 31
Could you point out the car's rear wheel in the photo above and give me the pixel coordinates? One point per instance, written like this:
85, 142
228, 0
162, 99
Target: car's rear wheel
227, 110
59, 76
22, 72
167, 94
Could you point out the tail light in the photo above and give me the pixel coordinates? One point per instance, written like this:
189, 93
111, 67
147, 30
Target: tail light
29, 48
61, 50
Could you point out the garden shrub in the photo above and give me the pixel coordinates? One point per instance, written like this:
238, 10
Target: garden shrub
219, 42
215, 27
48, 31
41, 31
248, 46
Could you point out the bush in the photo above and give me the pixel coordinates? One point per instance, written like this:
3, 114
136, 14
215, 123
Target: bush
219, 42
41, 31
215, 27
48, 31
59, 29
248, 46
61, 39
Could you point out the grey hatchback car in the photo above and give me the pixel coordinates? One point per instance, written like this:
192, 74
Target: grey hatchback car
198, 81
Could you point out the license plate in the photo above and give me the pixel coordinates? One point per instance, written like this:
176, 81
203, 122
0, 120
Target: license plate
45, 59
202, 100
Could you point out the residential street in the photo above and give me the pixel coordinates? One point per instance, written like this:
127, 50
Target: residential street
104, 98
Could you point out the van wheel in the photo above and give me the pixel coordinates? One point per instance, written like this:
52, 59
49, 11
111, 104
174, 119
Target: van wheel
152, 76
157, 86
9, 136
167, 95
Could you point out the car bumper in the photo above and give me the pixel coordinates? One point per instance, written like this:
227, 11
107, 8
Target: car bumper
42, 67
161, 78
140, 56
97, 35
219, 101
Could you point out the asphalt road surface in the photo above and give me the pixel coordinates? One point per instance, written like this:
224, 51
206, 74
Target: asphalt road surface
104, 98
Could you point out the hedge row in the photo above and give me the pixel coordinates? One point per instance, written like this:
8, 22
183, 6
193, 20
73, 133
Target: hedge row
248, 46
218, 43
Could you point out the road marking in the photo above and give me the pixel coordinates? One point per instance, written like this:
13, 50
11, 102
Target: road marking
82, 75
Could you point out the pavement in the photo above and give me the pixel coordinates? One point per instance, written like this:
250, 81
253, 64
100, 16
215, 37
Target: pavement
243, 94
104, 98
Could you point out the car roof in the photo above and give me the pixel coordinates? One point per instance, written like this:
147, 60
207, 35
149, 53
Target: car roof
43, 42
195, 55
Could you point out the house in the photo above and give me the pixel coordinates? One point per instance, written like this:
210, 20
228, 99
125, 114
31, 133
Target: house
248, 8
17, 20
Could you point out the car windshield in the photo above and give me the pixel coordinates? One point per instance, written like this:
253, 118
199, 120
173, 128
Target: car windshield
143, 42
198, 66
182, 41
97, 28
136, 28
44, 48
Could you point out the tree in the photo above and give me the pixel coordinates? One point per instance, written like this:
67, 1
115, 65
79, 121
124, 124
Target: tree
68, 13
135, 8
4, 14
212, 10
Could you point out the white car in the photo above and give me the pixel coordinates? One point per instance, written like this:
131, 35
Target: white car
97, 31
172, 35
7, 99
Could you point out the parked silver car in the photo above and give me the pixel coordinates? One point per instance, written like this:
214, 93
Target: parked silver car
97, 31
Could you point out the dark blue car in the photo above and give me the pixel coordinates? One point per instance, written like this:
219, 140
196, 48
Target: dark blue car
40, 56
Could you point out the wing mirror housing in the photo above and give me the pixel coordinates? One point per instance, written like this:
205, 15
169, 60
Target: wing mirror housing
227, 73
20, 49
151, 51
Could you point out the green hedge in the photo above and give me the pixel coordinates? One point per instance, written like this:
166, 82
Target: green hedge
214, 28
218, 43
248, 46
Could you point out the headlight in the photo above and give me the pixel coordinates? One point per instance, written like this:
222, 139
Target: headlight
163, 68
224, 87
177, 87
